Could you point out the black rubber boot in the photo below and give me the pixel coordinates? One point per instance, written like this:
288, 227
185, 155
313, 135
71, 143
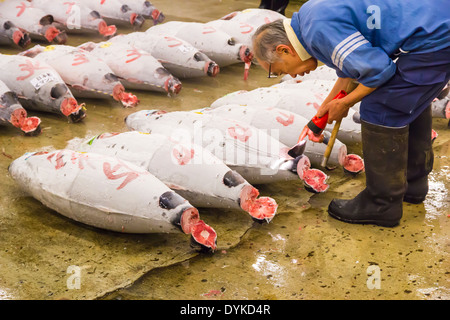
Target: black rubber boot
274, 5
420, 157
385, 152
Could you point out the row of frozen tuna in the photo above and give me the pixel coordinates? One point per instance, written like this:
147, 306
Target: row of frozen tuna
138, 182
153, 178
104, 70
50, 20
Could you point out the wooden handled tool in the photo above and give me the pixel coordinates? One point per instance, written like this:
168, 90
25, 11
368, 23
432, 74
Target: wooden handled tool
351, 86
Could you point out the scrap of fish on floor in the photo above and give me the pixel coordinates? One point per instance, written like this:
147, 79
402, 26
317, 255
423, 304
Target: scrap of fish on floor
188, 169
39, 86
288, 125
179, 57
299, 100
75, 17
85, 74
35, 21
113, 12
108, 193
136, 68
12, 112
10, 34
253, 153
146, 9
215, 43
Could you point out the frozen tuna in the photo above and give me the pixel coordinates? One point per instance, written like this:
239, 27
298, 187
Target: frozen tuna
241, 32
12, 112
114, 12
254, 16
288, 125
188, 169
146, 9
108, 193
85, 74
300, 100
136, 68
39, 86
321, 73
76, 18
216, 44
176, 55
253, 153
34, 20
440, 108
11, 34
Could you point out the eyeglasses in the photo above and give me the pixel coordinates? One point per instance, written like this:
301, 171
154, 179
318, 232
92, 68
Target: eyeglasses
271, 75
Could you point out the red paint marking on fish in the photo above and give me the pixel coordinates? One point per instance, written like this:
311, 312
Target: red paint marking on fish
247, 28
287, 120
21, 8
170, 39
315, 105
29, 67
69, 6
208, 29
240, 133
133, 52
80, 58
111, 173
184, 155
79, 157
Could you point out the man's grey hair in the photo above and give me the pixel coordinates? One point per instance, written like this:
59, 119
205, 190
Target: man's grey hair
266, 39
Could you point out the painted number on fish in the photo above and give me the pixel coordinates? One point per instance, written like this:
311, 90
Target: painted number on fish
112, 173
246, 28
21, 8
42, 79
286, 120
240, 133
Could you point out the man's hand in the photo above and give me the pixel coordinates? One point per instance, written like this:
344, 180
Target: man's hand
311, 135
337, 109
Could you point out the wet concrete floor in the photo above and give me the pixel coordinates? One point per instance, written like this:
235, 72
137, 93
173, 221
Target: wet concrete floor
302, 254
